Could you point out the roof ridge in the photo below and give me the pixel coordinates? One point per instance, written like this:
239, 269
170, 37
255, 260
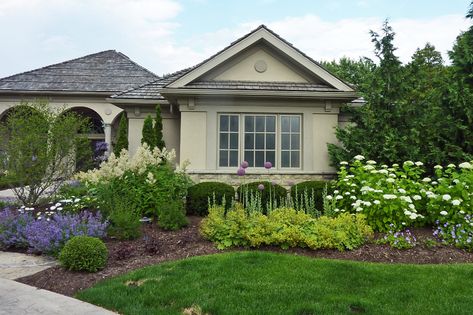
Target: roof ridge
58, 63
136, 64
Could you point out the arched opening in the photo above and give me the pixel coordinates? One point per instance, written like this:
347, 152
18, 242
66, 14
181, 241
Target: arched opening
95, 133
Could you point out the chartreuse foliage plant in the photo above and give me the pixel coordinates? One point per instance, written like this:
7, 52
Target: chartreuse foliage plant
282, 284
284, 227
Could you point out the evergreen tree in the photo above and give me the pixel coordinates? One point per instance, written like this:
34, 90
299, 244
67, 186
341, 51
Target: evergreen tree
122, 138
148, 134
158, 128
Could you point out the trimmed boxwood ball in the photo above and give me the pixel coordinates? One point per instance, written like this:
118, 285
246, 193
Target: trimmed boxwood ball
316, 185
198, 196
84, 253
277, 191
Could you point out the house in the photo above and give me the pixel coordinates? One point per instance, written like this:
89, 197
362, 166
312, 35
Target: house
259, 99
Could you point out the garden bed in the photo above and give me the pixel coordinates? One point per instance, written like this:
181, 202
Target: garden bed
158, 245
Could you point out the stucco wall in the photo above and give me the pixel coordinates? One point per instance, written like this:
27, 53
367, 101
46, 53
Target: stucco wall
199, 130
243, 68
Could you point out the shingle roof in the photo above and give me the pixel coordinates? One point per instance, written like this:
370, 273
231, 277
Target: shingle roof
260, 85
151, 90
106, 71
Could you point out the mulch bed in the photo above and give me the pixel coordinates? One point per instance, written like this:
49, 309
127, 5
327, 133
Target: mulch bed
156, 246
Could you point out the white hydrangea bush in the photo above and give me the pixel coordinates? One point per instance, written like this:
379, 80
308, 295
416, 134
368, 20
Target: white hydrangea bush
403, 195
388, 195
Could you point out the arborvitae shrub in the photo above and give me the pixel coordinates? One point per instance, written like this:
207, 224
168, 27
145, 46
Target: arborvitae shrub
158, 128
148, 133
199, 194
122, 138
84, 253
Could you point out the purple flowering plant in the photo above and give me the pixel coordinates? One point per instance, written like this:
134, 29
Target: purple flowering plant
399, 239
458, 233
49, 232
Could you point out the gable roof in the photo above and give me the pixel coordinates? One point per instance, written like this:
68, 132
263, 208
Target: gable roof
152, 90
261, 34
105, 72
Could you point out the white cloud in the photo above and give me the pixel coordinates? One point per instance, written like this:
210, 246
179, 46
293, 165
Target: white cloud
41, 32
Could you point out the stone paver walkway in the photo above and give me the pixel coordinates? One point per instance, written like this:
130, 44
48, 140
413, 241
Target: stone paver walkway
18, 299
17, 265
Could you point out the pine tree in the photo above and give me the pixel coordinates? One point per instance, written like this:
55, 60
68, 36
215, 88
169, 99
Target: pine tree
158, 128
148, 135
122, 139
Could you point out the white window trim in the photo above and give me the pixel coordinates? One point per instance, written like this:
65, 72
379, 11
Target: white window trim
241, 144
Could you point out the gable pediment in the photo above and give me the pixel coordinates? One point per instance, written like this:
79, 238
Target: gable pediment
260, 56
259, 63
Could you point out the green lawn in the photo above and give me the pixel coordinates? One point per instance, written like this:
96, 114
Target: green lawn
269, 283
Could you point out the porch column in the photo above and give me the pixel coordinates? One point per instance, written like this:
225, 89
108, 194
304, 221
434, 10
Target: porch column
108, 137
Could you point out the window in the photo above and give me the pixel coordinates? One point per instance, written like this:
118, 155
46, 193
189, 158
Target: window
228, 140
273, 138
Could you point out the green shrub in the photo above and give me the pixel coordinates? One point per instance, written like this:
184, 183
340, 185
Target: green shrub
84, 253
124, 224
271, 192
197, 201
172, 215
299, 191
284, 227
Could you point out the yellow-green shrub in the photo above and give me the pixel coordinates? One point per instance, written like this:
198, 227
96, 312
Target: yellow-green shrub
284, 227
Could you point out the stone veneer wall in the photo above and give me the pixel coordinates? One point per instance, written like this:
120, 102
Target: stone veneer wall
285, 180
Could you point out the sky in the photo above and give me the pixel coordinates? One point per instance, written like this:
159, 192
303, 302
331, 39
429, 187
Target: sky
169, 35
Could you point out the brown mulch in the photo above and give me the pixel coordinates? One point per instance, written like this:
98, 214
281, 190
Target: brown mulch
157, 245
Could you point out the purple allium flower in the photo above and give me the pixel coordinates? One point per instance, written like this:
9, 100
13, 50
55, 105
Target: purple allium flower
260, 187
241, 172
268, 165
244, 164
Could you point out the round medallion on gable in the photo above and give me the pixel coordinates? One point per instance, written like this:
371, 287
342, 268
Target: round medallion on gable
261, 66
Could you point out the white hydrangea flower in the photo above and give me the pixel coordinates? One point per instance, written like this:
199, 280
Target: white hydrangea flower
446, 197
384, 166
438, 167
371, 162
390, 180
408, 163
413, 216
347, 193
392, 175
352, 197
376, 202
383, 171
389, 196
343, 163
419, 163
367, 203
434, 182
359, 157
466, 165
443, 212
456, 202
359, 209
329, 197
406, 199
451, 165
455, 181
426, 180
395, 165
412, 207
401, 190
339, 197
417, 197
335, 192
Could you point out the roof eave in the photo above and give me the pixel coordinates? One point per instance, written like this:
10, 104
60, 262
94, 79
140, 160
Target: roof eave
141, 101
55, 92
339, 95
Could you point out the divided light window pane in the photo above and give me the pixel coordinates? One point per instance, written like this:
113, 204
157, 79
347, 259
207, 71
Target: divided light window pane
290, 141
260, 135
228, 140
